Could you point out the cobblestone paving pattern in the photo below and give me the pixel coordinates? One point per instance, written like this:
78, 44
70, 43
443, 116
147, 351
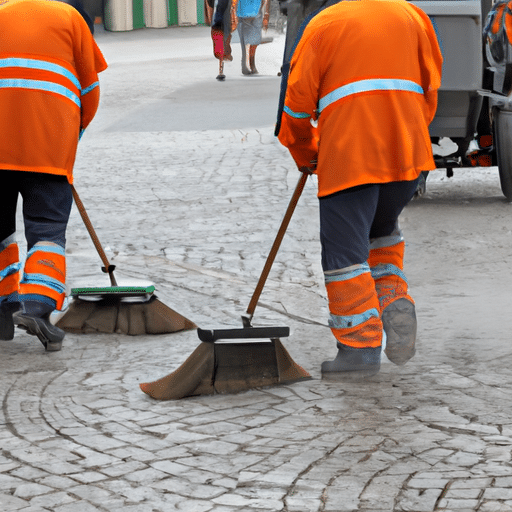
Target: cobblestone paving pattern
196, 212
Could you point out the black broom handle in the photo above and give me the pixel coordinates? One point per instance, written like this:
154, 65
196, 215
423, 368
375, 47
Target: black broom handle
275, 247
107, 268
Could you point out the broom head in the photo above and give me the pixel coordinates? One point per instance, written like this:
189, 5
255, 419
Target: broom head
121, 311
228, 367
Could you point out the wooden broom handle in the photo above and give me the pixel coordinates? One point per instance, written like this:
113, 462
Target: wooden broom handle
277, 242
107, 267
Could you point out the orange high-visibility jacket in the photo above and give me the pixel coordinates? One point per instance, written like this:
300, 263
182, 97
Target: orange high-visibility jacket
49, 91
369, 70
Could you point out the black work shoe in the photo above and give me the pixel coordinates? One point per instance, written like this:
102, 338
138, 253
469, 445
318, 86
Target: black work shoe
400, 325
35, 319
352, 363
6, 323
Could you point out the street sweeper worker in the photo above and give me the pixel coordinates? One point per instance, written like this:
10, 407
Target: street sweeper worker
49, 93
361, 93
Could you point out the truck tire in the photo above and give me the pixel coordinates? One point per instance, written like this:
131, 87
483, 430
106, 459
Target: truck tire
502, 122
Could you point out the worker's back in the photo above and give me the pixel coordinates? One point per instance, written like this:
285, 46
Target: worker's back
369, 66
48, 66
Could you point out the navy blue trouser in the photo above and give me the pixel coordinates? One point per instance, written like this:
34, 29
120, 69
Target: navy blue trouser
47, 201
351, 218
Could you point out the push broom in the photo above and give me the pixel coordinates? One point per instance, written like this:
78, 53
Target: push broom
220, 366
132, 309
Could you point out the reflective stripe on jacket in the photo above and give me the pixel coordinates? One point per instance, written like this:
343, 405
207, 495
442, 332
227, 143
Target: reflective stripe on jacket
368, 71
378, 84
22, 69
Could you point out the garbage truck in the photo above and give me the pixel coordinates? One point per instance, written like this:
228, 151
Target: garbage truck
475, 102
474, 110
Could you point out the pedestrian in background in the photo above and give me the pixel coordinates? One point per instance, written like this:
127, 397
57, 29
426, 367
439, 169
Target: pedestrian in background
253, 17
249, 18
360, 95
49, 93
221, 28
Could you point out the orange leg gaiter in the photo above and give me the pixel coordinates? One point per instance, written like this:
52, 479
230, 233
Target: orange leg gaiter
9, 269
45, 274
354, 306
386, 262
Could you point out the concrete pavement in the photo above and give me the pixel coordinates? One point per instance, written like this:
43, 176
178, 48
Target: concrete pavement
195, 209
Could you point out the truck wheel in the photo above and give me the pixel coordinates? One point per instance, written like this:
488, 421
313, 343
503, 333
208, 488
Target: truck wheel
502, 121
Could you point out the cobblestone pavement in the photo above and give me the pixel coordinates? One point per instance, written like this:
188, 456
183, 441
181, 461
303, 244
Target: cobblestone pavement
195, 211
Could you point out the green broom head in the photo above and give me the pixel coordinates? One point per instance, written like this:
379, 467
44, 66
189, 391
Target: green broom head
113, 290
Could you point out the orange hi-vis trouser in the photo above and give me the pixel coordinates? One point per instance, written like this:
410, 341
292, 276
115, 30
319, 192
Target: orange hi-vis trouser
44, 273
386, 262
10, 268
354, 306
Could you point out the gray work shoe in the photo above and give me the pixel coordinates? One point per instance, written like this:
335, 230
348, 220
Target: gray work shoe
35, 319
399, 322
352, 363
6, 323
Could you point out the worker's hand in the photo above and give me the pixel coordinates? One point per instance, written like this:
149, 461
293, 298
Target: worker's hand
311, 169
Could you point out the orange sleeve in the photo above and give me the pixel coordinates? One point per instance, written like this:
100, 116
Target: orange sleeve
297, 132
89, 61
431, 61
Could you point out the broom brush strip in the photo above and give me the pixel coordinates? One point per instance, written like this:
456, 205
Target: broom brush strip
94, 290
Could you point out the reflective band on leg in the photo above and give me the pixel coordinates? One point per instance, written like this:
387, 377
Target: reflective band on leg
45, 272
343, 322
346, 273
354, 306
46, 247
42, 280
387, 270
11, 269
